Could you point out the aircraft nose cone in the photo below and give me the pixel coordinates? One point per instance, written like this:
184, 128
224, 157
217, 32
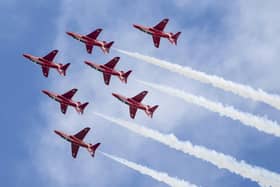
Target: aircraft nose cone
57, 132
88, 63
45, 92
70, 34
25, 55
135, 26
115, 95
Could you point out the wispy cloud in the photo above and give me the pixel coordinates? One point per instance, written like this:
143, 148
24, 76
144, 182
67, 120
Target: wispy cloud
159, 176
260, 175
260, 123
226, 85
87, 16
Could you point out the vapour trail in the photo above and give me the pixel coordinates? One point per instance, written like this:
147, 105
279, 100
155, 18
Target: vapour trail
218, 82
159, 176
261, 123
260, 175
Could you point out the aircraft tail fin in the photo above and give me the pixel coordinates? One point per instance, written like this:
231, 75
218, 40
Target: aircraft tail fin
124, 76
151, 110
92, 148
107, 47
175, 37
81, 107
62, 69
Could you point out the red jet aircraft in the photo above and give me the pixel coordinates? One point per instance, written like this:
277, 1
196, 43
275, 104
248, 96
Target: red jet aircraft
90, 40
157, 32
135, 103
108, 70
65, 100
47, 62
77, 141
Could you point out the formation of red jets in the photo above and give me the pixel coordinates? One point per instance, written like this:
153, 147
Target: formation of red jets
65, 100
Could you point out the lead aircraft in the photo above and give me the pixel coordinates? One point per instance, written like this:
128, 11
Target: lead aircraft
77, 141
108, 70
47, 62
65, 100
135, 103
90, 40
157, 32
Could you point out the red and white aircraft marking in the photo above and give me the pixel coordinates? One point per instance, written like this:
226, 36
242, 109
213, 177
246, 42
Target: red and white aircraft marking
157, 32
90, 40
65, 100
77, 142
47, 62
135, 103
108, 70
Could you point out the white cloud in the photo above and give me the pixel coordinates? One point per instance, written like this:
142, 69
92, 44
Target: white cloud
52, 155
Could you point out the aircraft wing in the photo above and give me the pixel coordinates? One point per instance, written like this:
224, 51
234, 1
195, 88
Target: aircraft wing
156, 41
70, 93
94, 34
161, 25
132, 111
75, 149
112, 63
107, 78
89, 48
80, 135
140, 96
51, 55
45, 71
63, 108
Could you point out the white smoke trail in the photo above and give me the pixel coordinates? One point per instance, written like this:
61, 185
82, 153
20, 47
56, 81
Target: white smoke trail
218, 82
159, 176
260, 123
260, 175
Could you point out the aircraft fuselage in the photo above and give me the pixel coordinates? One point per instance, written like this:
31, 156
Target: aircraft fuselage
72, 139
154, 32
86, 40
42, 61
104, 69
61, 99
130, 102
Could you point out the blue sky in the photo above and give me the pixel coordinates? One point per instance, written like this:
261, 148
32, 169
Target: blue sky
238, 41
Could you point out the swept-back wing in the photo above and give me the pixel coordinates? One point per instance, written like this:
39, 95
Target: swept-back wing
132, 111
70, 93
45, 71
63, 108
80, 135
107, 78
89, 48
156, 41
112, 63
140, 96
95, 33
51, 55
161, 25
75, 149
